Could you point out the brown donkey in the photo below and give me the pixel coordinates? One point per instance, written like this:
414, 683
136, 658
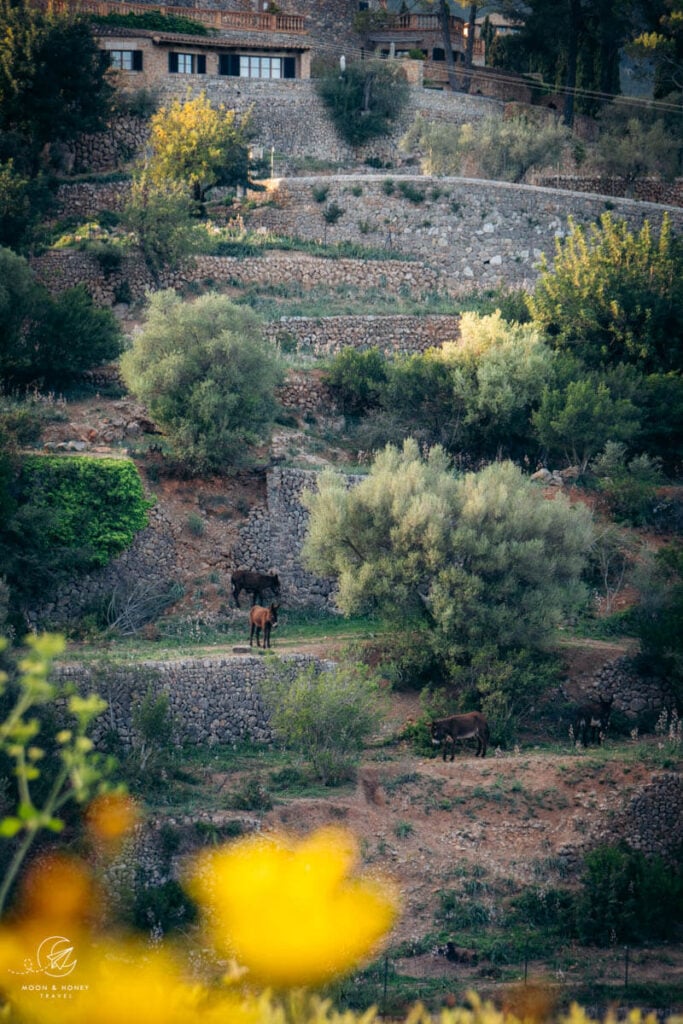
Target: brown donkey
461, 727
262, 619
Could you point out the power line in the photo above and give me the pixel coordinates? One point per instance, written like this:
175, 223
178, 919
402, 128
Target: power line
499, 76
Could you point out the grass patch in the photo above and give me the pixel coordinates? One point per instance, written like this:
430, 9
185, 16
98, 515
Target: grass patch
292, 299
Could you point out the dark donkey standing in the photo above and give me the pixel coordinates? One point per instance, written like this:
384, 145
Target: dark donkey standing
591, 721
461, 727
262, 619
255, 583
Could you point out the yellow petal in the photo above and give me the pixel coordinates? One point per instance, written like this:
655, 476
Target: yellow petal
289, 911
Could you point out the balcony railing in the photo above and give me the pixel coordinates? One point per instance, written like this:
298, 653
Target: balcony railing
245, 21
399, 25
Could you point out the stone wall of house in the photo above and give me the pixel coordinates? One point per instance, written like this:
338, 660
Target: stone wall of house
323, 336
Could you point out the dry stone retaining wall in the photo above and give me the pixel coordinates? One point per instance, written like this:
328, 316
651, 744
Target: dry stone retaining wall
211, 700
464, 234
323, 336
648, 190
286, 115
150, 564
62, 269
479, 233
634, 695
280, 530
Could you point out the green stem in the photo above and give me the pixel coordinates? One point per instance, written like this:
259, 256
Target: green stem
15, 864
51, 805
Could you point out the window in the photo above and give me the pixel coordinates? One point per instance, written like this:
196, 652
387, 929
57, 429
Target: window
260, 67
241, 65
125, 60
187, 63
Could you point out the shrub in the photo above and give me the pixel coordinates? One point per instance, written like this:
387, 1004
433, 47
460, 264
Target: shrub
98, 504
50, 340
326, 716
614, 297
490, 148
208, 377
252, 795
356, 378
408, 191
163, 908
628, 487
627, 897
154, 20
365, 99
332, 213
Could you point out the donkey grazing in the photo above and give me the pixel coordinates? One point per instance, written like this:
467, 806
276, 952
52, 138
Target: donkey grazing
461, 727
254, 583
262, 619
591, 721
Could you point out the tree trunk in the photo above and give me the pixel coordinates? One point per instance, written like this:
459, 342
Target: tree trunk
572, 58
445, 22
469, 48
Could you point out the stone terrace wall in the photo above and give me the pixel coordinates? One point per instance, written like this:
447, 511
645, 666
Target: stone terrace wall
323, 336
124, 138
148, 564
648, 190
634, 694
64, 269
653, 822
88, 198
213, 700
280, 530
464, 234
478, 232
286, 115
290, 116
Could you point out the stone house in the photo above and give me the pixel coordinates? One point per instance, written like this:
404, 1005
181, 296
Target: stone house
145, 58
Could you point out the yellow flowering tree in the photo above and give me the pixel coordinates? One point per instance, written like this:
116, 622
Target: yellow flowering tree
194, 143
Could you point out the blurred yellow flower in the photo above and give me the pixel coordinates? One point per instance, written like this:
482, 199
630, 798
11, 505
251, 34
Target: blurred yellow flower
59, 892
112, 983
289, 911
111, 816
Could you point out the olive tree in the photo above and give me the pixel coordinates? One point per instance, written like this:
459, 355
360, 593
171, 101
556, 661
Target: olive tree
485, 560
207, 376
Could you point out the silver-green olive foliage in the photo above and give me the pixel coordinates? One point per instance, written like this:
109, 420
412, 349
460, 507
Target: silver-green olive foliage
487, 558
207, 376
